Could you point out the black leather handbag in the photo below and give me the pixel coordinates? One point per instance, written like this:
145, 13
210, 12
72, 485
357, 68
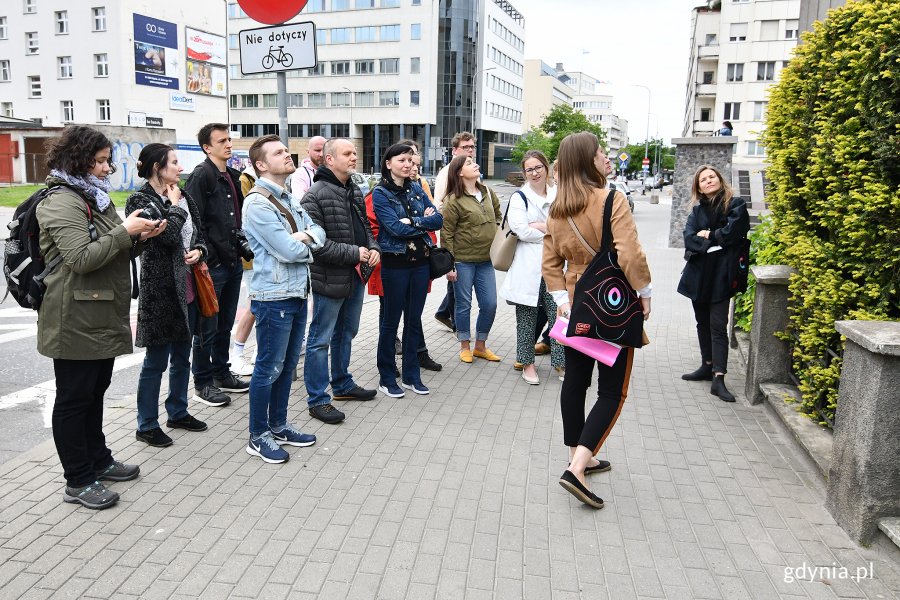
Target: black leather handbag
605, 305
440, 262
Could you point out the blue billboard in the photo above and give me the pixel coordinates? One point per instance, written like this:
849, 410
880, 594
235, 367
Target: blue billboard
155, 52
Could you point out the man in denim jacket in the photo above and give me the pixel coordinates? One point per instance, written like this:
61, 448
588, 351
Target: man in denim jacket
282, 237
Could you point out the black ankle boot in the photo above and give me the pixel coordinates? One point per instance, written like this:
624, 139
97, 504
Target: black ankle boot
704, 373
718, 389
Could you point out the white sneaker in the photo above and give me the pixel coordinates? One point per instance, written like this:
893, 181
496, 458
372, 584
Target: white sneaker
241, 367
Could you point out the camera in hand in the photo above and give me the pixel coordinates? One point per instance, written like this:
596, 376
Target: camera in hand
243, 246
152, 213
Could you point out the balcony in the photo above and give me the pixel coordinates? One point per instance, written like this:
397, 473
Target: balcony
706, 89
710, 51
704, 128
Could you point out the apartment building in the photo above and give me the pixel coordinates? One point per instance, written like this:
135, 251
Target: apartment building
545, 91
124, 67
738, 49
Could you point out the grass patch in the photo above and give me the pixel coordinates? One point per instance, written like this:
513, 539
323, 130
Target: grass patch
16, 194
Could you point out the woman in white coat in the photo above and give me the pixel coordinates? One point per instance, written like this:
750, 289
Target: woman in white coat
523, 286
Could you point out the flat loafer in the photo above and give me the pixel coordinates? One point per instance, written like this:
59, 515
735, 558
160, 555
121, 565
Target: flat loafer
571, 484
531, 380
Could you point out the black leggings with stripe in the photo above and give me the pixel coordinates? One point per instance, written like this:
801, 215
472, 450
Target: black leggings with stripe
612, 388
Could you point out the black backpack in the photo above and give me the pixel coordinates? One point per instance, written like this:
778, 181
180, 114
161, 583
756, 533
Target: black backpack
23, 265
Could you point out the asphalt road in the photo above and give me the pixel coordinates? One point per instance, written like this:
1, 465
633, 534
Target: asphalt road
27, 384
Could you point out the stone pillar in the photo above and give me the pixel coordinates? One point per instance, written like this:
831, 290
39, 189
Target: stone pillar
864, 479
690, 153
770, 357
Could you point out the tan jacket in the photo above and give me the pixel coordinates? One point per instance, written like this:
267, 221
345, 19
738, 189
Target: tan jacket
561, 246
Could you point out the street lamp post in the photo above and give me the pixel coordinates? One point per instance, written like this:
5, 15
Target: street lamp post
647, 137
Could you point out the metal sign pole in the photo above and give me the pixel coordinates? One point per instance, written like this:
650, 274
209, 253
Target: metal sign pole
282, 108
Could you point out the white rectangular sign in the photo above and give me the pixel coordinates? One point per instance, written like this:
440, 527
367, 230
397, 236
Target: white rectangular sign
178, 101
278, 48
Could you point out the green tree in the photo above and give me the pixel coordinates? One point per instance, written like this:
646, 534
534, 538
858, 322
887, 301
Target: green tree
557, 124
666, 156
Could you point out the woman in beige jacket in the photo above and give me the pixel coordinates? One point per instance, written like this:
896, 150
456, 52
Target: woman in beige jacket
582, 195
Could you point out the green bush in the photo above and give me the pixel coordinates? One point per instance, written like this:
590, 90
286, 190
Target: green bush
833, 140
764, 250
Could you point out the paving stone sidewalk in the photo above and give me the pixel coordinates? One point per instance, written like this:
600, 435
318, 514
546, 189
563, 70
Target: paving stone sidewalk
455, 495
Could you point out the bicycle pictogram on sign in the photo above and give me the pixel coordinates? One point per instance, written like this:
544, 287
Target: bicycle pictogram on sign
283, 58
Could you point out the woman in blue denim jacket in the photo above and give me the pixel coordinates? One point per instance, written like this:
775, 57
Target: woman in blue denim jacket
405, 216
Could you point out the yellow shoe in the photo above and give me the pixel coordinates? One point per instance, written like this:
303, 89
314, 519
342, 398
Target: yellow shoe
486, 354
465, 356
518, 366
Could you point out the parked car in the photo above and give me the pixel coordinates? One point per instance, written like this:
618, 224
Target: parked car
361, 182
652, 182
620, 186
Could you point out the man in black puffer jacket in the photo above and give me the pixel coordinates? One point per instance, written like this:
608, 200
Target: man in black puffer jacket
336, 205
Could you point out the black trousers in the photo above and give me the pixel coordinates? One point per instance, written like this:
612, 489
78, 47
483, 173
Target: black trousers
712, 333
78, 418
541, 326
448, 305
612, 389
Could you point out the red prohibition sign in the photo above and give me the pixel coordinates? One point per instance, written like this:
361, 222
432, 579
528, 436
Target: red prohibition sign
272, 12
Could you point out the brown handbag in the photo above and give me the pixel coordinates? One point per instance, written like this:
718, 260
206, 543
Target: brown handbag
206, 291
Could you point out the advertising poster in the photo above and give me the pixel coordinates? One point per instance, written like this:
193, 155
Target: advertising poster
155, 52
205, 65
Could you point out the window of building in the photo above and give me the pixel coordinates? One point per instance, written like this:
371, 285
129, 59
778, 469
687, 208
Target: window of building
270, 100
740, 1
705, 114
759, 110
340, 4
765, 71
364, 98
233, 72
791, 29
340, 67
390, 33
315, 129
390, 65
712, 39
62, 22
415, 65
707, 76
738, 32
233, 101
735, 72
270, 129
388, 98
365, 67
339, 99
314, 6
233, 43
235, 12
316, 101
417, 2
414, 97
744, 183
104, 111
3, 33
342, 35
29, 6
4, 70
321, 36
340, 130
6, 109
319, 69
64, 67
34, 86
415, 31
101, 65
295, 101
67, 111
732, 111
365, 4
768, 30
755, 148
295, 130
249, 101
366, 34
31, 42
249, 130
99, 18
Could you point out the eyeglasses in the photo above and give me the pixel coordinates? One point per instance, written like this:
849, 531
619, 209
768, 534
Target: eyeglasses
534, 170
467, 147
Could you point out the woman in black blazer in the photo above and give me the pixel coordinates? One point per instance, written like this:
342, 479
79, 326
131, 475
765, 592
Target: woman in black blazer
713, 235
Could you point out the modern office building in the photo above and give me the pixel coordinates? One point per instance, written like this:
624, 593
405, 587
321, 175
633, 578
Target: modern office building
386, 70
132, 69
738, 49
545, 91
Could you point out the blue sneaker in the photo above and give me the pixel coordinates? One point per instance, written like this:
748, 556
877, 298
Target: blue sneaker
293, 437
267, 449
391, 389
418, 388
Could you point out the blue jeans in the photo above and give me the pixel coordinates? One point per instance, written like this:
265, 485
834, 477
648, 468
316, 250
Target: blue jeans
404, 294
447, 307
178, 354
335, 323
280, 327
212, 343
482, 278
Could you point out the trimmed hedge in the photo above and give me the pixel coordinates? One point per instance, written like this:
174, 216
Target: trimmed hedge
833, 142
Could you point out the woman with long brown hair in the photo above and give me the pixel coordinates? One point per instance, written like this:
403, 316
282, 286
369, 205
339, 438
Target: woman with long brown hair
581, 196
715, 229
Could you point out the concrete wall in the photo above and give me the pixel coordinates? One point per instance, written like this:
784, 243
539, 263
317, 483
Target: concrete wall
690, 153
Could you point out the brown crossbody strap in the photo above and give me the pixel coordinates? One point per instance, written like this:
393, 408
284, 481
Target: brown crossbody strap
271, 197
581, 237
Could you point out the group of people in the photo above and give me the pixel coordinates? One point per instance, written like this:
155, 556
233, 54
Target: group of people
325, 245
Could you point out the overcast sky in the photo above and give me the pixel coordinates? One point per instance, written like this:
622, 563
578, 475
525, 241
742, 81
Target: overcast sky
628, 42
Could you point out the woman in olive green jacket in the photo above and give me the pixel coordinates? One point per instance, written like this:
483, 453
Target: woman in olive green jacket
83, 321
471, 214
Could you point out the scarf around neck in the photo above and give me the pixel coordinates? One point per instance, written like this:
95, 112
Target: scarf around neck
94, 186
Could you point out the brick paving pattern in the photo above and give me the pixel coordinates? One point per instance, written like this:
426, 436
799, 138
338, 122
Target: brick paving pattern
453, 495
